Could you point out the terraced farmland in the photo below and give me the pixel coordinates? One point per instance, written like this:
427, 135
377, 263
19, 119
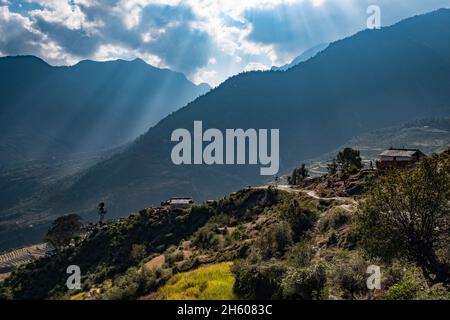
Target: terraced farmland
13, 259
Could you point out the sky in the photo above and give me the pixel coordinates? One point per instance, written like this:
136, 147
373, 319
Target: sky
207, 40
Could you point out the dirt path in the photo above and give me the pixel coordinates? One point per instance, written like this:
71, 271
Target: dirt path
311, 193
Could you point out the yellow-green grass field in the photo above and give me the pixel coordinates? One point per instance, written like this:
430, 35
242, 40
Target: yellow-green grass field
211, 282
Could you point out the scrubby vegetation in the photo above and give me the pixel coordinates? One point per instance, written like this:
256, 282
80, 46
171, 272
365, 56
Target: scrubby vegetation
268, 243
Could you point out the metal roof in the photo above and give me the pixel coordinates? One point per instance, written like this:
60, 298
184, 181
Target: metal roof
399, 153
180, 200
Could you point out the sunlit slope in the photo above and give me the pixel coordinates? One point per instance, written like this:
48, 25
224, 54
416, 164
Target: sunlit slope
212, 282
356, 85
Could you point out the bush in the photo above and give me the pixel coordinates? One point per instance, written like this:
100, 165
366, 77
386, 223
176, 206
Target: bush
304, 283
334, 219
206, 237
133, 284
300, 219
405, 290
349, 274
274, 240
258, 281
300, 255
138, 252
173, 257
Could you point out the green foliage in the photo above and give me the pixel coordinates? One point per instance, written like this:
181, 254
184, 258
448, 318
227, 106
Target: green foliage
349, 160
260, 281
274, 240
173, 257
300, 219
298, 175
304, 283
407, 215
405, 290
138, 252
63, 230
105, 253
133, 284
206, 237
301, 254
334, 219
349, 275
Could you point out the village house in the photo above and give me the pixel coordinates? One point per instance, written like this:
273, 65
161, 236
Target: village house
399, 158
179, 202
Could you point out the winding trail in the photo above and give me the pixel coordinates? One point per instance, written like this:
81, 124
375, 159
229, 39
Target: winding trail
348, 201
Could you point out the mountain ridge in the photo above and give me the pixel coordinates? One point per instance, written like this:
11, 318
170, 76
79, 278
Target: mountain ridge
85, 107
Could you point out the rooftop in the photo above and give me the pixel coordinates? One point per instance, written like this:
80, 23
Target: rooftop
399, 152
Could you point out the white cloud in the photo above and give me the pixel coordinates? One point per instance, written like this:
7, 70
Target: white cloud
204, 76
207, 39
256, 66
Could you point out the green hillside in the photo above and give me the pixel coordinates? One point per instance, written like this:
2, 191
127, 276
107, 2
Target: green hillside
311, 241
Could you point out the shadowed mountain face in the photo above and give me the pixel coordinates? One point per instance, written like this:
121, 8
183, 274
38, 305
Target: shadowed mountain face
374, 79
48, 112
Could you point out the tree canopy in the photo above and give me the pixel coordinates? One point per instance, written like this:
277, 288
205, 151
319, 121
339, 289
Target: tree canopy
407, 215
63, 230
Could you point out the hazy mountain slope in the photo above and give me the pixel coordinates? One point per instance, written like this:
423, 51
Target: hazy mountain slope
428, 135
308, 54
50, 111
374, 79
356, 85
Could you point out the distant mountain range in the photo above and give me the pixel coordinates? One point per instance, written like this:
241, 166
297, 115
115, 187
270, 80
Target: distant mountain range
48, 112
374, 79
308, 54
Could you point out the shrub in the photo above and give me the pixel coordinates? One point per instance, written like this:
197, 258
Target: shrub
206, 237
175, 256
133, 284
300, 219
274, 240
304, 283
334, 219
258, 281
405, 290
349, 274
301, 254
138, 252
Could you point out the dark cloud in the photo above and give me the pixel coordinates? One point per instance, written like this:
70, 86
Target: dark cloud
15, 38
178, 45
78, 42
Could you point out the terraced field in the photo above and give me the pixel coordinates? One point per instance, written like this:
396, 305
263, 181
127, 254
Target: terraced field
13, 259
210, 282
